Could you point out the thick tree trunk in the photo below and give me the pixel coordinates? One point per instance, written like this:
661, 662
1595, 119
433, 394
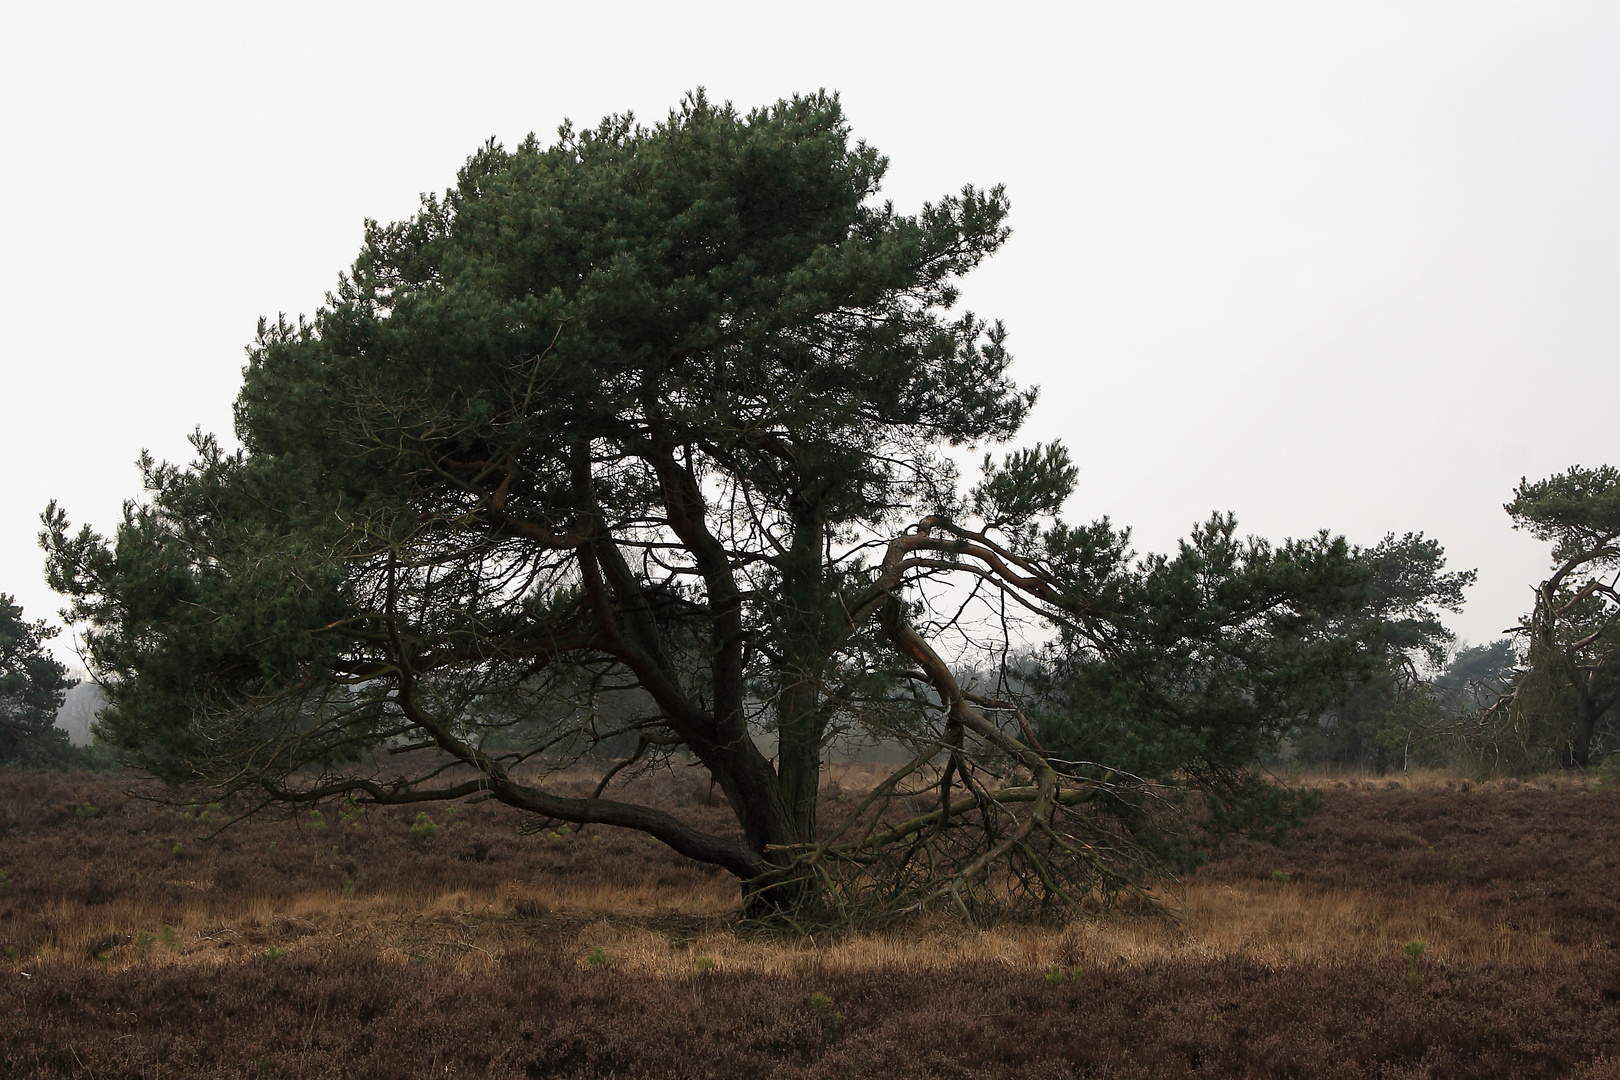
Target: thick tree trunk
1580, 741
799, 756
799, 722
759, 801
1588, 711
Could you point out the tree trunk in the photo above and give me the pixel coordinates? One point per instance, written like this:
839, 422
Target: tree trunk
1580, 743
799, 723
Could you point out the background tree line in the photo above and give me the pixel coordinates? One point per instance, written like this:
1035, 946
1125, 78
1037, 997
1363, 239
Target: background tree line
1544, 697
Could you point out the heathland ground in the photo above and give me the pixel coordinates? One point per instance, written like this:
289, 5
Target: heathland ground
139, 942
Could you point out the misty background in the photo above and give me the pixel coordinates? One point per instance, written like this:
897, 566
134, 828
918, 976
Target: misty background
1351, 266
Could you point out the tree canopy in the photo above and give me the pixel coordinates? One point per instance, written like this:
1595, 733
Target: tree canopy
635, 447
1563, 702
1233, 645
1381, 719
32, 686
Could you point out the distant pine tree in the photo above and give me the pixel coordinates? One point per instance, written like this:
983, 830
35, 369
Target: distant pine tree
32, 688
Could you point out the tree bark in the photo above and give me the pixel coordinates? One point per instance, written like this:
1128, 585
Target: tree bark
800, 725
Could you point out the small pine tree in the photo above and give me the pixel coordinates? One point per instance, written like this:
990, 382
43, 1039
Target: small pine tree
32, 687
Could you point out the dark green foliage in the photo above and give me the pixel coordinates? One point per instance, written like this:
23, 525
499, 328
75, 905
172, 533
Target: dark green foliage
1401, 718
1478, 674
1232, 645
1561, 709
1382, 717
1546, 698
1577, 511
32, 686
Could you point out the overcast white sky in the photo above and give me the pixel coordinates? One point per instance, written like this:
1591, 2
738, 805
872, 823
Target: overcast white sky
1351, 265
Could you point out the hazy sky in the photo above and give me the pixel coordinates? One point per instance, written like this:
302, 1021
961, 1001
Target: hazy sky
1352, 266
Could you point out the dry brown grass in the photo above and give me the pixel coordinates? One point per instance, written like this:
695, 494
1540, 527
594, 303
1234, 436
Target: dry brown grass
1267, 924
669, 934
1430, 780
633, 917
1510, 885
